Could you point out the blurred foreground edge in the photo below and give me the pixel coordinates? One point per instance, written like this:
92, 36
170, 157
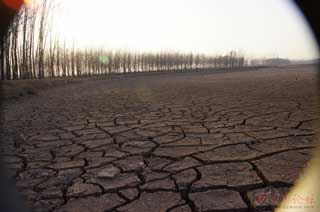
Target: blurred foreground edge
305, 195
308, 184
10, 200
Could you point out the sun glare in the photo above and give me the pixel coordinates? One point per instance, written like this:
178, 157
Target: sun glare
28, 1
260, 28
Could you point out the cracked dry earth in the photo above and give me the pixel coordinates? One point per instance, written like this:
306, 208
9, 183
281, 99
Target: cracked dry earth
199, 141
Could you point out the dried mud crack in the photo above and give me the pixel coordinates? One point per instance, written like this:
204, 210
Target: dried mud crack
167, 143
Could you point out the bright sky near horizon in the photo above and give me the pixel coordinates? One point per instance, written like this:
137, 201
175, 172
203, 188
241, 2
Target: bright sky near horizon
257, 28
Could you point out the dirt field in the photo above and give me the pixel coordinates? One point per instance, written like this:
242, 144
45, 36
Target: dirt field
178, 142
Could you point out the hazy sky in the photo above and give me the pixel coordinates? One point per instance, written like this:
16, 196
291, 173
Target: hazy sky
271, 28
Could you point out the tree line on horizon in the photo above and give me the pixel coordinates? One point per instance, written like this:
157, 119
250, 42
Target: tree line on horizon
31, 52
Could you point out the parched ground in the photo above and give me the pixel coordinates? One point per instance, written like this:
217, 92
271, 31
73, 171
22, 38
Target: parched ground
179, 142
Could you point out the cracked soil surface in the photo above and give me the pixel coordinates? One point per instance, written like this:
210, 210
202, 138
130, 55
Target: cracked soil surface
177, 142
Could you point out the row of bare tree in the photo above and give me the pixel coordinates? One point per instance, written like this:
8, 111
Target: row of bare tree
22, 54
30, 51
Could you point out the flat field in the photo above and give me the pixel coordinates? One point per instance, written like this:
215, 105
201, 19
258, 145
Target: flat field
198, 141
